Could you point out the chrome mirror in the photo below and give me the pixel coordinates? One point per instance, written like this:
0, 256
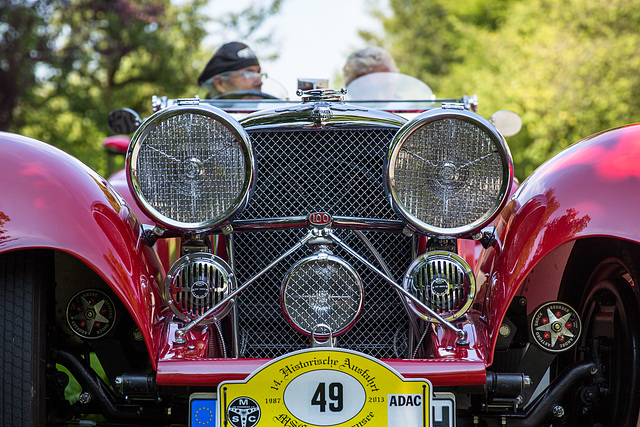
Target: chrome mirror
507, 122
123, 121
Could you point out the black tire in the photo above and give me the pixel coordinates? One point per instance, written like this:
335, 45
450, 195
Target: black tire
23, 337
610, 311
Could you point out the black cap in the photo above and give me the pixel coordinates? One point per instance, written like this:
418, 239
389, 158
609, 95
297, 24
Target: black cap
230, 57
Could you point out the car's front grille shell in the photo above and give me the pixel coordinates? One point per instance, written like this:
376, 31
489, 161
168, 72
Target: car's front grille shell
338, 171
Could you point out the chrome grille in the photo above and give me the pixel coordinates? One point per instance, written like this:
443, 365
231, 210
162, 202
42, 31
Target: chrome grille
426, 283
443, 281
338, 171
184, 293
195, 283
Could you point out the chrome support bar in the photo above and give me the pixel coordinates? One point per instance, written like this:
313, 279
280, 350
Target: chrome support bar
387, 270
461, 333
180, 333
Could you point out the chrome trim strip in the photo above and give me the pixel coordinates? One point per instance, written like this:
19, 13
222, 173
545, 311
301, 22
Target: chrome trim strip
266, 224
235, 340
394, 226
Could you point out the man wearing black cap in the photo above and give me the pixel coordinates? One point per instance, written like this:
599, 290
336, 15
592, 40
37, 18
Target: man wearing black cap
234, 67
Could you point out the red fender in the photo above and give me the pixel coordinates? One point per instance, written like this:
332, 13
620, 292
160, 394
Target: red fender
168, 249
591, 189
51, 200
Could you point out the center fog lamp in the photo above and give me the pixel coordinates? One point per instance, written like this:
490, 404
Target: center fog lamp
448, 172
322, 289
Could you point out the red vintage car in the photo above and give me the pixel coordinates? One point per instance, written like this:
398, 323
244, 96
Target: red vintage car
320, 263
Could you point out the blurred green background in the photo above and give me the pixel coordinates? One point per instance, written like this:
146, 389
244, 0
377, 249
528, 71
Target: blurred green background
569, 68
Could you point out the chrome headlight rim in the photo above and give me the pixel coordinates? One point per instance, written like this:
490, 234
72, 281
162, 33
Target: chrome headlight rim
208, 111
220, 265
456, 259
321, 255
408, 130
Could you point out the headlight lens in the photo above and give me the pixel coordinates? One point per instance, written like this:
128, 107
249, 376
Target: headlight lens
322, 289
444, 282
191, 167
448, 172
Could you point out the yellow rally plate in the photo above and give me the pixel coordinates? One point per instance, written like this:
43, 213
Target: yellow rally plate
325, 387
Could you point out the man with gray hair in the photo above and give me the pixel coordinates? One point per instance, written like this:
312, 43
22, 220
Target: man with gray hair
372, 59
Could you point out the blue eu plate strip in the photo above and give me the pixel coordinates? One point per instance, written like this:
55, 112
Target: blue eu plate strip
203, 412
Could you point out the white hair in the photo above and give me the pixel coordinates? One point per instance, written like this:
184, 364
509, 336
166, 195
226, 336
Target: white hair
368, 60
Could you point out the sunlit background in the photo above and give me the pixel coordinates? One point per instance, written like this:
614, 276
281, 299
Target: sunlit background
311, 39
569, 69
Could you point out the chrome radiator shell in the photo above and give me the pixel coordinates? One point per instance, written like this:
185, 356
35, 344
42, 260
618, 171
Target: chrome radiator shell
336, 169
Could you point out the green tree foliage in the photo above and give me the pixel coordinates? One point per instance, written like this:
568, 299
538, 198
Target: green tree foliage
251, 26
569, 68
25, 40
65, 64
111, 54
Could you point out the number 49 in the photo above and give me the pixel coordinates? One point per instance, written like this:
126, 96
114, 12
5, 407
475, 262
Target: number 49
335, 396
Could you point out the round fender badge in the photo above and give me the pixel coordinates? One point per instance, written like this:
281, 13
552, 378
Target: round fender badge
555, 326
243, 412
91, 314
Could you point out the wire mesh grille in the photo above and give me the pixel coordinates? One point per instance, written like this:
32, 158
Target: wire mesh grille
340, 172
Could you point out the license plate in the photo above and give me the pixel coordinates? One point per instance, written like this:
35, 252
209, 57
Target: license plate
329, 387
443, 410
203, 407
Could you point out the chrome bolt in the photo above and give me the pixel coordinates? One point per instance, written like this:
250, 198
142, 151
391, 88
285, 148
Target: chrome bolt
84, 398
179, 339
526, 381
558, 411
505, 330
523, 301
119, 382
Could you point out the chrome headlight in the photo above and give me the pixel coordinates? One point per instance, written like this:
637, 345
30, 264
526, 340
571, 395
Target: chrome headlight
322, 289
191, 167
195, 283
448, 172
443, 281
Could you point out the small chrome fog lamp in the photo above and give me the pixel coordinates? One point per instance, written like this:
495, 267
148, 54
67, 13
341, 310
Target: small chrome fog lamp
322, 289
197, 282
443, 281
